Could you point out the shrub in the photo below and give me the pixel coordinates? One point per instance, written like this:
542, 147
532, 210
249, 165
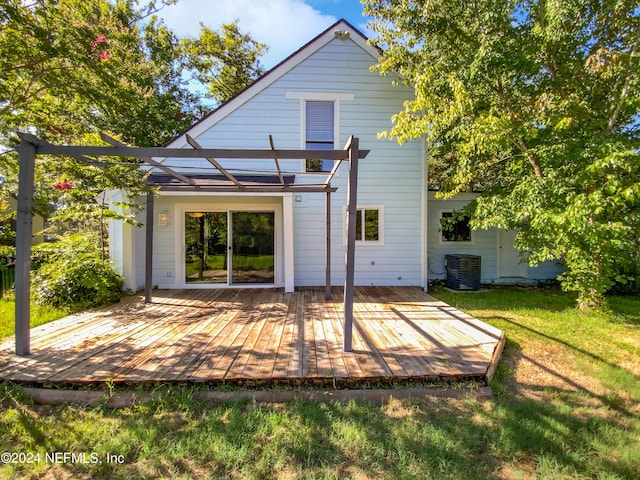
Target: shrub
7, 255
74, 275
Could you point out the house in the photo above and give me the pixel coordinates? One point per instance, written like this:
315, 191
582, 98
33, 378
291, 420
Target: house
8, 207
232, 235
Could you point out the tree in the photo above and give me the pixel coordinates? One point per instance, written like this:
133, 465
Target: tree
70, 69
536, 104
226, 62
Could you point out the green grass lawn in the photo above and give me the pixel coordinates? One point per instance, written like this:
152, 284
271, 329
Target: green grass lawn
40, 314
567, 406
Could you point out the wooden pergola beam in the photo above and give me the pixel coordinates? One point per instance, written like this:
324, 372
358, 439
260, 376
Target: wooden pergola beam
149, 160
24, 232
44, 148
246, 189
273, 148
333, 172
327, 281
148, 259
214, 162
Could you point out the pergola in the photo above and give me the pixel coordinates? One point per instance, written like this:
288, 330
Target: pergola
222, 180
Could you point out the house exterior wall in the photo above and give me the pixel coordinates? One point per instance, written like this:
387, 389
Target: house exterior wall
390, 177
11, 205
116, 237
168, 264
484, 243
126, 245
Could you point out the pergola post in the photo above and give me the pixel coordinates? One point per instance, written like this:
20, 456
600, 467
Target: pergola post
148, 262
24, 233
32, 146
327, 288
352, 199
287, 240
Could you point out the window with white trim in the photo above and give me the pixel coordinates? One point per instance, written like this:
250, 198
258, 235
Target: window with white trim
319, 132
455, 227
369, 225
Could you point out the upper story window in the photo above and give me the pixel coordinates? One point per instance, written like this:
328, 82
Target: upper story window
455, 227
319, 132
319, 123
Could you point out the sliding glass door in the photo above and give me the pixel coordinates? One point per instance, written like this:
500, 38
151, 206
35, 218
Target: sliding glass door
206, 247
223, 248
253, 247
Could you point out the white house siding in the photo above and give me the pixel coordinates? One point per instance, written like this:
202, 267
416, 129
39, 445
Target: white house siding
546, 271
126, 245
116, 240
389, 177
483, 243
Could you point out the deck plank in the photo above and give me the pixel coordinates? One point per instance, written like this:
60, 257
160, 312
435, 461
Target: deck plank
196, 344
178, 347
221, 359
286, 342
124, 359
273, 339
256, 336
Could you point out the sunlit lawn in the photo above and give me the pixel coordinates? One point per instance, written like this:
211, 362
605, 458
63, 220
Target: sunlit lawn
40, 314
567, 406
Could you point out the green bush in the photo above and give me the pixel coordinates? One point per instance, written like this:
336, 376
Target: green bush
7, 255
74, 275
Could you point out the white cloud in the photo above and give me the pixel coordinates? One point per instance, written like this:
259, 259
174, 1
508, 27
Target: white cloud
284, 25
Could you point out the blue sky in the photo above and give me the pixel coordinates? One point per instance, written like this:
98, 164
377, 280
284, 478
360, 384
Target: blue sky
284, 25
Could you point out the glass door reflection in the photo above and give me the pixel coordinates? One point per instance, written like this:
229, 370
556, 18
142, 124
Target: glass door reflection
253, 247
206, 248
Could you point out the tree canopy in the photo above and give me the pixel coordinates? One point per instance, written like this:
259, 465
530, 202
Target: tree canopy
70, 69
536, 105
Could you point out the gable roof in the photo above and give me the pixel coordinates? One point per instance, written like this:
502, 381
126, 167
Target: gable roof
341, 28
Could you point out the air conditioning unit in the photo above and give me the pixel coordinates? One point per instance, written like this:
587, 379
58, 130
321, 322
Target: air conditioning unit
463, 271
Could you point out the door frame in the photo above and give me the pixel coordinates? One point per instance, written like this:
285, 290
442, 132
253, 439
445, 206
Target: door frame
505, 241
231, 248
211, 204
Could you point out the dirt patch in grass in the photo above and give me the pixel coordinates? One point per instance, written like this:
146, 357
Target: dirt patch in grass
539, 365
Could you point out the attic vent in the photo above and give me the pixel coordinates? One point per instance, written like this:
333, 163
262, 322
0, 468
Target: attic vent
344, 34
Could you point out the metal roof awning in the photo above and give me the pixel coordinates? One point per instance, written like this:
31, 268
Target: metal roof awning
210, 182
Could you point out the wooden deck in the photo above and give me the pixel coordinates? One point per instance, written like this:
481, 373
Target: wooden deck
258, 337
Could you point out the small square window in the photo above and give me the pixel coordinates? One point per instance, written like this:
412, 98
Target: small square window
455, 227
369, 225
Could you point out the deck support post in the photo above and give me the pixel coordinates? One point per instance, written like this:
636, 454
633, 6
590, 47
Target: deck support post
327, 288
352, 213
148, 262
24, 234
